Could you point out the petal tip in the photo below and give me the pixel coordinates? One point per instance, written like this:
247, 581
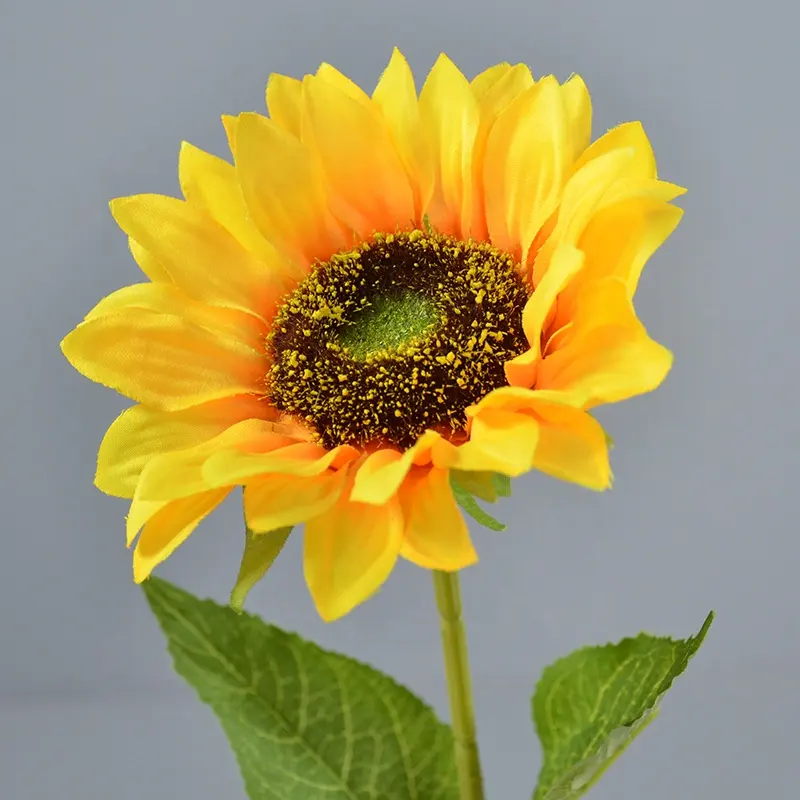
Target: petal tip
186, 148
69, 348
332, 611
119, 205
443, 61
141, 572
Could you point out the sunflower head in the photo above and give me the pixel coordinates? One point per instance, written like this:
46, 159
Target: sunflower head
380, 294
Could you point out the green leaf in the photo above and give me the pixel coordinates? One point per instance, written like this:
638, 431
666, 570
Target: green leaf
304, 723
589, 706
465, 499
260, 550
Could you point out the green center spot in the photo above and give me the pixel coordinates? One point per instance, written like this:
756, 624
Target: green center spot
388, 322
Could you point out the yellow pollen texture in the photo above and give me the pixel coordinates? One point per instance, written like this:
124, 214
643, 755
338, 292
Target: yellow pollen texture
401, 334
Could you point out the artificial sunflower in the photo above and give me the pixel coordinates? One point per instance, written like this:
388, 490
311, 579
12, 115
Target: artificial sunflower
380, 294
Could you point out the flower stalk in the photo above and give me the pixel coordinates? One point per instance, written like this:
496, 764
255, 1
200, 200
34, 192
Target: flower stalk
459, 684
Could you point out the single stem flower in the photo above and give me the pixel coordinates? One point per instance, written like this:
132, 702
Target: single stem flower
379, 294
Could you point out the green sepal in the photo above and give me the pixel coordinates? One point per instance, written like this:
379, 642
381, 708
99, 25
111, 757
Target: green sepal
303, 722
502, 484
487, 486
260, 550
484, 488
480, 484
590, 705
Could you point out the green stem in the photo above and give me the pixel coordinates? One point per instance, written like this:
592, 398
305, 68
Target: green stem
459, 685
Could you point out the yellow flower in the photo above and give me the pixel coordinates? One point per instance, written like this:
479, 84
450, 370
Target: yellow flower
381, 292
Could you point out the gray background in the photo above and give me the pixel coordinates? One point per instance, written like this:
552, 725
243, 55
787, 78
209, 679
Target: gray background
96, 97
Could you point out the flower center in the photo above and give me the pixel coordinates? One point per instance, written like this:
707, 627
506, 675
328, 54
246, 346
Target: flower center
401, 334
388, 322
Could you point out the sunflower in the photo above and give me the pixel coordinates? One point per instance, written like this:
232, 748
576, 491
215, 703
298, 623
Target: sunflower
380, 295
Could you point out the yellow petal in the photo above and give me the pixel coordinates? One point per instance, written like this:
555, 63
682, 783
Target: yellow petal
450, 115
302, 459
230, 124
170, 527
435, 534
505, 398
283, 189
240, 327
154, 297
148, 263
284, 102
369, 187
609, 357
180, 473
506, 440
587, 188
349, 551
617, 241
578, 104
566, 263
497, 97
396, 97
521, 370
569, 444
140, 433
276, 501
583, 195
331, 75
161, 359
409, 554
519, 400
499, 441
628, 135
485, 80
528, 153
620, 239
211, 184
572, 446
192, 247
140, 511
380, 475
643, 189
616, 220
618, 365
599, 304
